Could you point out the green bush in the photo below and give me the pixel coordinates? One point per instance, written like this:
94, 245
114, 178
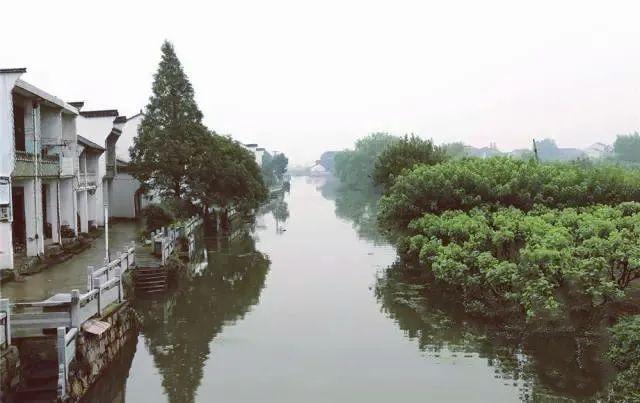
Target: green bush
156, 216
543, 261
405, 154
501, 181
624, 353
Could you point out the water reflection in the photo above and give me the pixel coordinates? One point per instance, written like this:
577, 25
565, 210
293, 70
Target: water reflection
542, 365
279, 208
177, 330
356, 205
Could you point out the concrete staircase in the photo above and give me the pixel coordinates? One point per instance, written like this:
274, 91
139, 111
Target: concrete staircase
39, 383
150, 280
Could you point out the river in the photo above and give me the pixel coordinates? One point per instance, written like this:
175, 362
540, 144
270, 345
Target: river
301, 309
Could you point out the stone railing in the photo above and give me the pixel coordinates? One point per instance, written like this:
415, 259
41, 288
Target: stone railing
35, 319
66, 345
5, 332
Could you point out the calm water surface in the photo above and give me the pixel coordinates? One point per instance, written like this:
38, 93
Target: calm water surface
300, 310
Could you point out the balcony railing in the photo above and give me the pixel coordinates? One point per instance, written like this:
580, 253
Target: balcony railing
48, 165
87, 179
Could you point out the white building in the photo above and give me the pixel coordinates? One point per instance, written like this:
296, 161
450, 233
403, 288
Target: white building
127, 197
90, 211
38, 169
103, 128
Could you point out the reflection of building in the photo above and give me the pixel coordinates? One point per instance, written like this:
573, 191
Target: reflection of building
38, 169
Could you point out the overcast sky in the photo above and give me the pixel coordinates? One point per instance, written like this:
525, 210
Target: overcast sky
304, 77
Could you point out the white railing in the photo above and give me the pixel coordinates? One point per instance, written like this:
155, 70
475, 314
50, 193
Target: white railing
66, 345
86, 179
33, 319
5, 325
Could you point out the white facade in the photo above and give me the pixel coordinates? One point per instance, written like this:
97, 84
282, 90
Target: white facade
104, 129
127, 198
37, 167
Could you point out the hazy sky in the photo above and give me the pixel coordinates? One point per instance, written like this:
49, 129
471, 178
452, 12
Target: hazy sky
307, 76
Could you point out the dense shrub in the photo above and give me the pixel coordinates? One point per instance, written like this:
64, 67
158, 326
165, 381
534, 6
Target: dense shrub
156, 216
405, 154
542, 260
501, 181
624, 353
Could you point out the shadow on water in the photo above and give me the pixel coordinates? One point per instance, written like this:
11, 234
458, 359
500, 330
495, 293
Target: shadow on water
357, 206
178, 328
544, 366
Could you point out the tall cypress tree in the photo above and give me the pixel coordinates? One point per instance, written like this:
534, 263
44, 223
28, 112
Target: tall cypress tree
170, 132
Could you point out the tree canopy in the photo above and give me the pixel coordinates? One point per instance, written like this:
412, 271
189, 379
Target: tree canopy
170, 132
355, 167
225, 174
405, 154
472, 182
274, 167
627, 147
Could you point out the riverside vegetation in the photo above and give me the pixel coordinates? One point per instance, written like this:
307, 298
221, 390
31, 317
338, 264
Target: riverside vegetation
188, 166
527, 246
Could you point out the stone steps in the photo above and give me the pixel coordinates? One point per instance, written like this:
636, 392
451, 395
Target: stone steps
39, 384
150, 279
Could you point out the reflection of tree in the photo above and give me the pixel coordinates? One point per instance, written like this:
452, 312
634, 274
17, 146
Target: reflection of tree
541, 364
356, 205
280, 210
178, 330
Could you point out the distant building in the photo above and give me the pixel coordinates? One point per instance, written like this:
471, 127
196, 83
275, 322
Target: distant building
599, 150
319, 170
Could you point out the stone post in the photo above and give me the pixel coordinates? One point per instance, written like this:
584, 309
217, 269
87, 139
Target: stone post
90, 270
97, 284
6, 308
75, 309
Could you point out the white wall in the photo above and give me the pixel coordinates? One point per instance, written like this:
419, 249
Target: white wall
7, 81
123, 196
129, 132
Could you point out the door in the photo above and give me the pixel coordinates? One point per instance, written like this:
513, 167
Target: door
18, 228
18, 127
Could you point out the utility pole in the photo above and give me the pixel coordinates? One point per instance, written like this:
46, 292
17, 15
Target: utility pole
535, 150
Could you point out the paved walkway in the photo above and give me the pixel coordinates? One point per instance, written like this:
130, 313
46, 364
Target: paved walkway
73, 273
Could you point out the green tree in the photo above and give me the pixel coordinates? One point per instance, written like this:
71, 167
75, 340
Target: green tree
403, 155
225, 175
170, 132
627, 147
355, 167
274, 167
474, 182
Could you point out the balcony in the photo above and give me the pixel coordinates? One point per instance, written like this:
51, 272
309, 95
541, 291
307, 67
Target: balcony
25, 167
88, 180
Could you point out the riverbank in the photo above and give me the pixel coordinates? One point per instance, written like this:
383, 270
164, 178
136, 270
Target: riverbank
71, 273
